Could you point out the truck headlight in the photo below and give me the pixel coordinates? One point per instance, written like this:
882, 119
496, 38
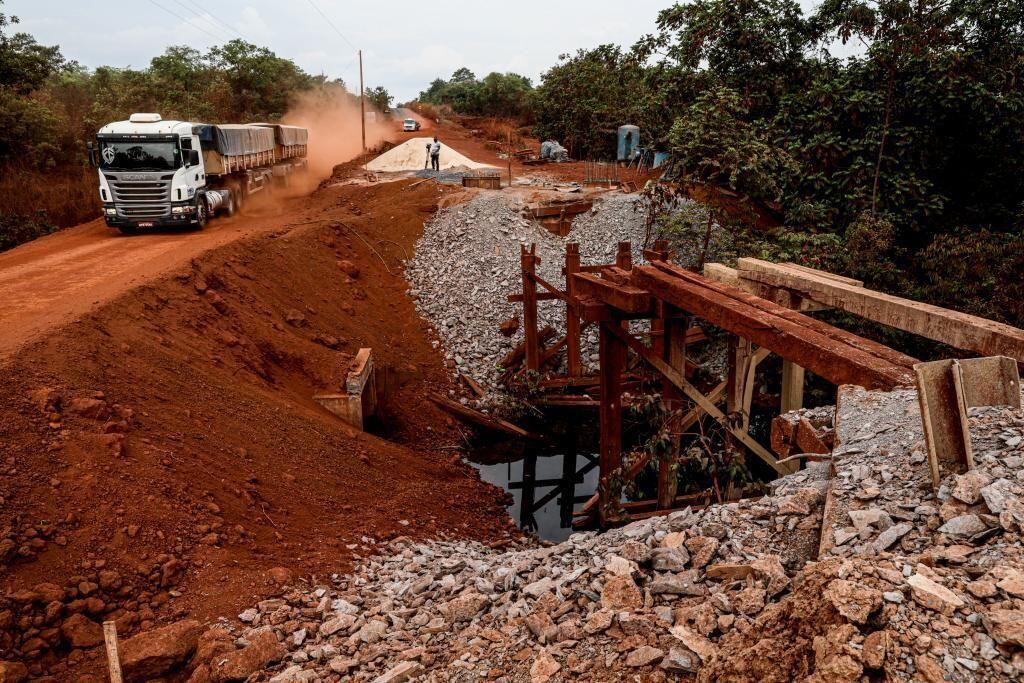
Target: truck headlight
110, 211
177, 209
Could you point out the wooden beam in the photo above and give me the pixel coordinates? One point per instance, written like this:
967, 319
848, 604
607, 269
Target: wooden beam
872, 347
959, 330
783, 297
793, 336
541, 296
693, 394
481, 419
621, 297
113, 656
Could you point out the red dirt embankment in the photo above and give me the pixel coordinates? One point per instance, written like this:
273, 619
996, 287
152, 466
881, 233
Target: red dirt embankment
162, 454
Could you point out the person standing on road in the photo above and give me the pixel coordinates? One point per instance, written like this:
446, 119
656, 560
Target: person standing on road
435, 155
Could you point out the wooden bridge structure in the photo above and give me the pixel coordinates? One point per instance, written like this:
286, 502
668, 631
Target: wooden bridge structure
763, 309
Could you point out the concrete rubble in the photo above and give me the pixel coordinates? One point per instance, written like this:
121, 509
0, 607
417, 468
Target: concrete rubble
734, 591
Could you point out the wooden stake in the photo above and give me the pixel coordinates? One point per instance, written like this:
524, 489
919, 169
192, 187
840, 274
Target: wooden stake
572, 320
528, 260
113, 658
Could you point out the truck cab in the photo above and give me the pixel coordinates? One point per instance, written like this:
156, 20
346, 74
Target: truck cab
151, 174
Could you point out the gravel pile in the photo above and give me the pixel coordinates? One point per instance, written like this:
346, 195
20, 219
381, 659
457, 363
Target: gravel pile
467, 264
730, 592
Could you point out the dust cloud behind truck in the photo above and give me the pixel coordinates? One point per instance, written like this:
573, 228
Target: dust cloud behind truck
156, 173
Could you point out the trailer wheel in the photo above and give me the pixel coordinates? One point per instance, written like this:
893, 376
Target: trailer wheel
229, 208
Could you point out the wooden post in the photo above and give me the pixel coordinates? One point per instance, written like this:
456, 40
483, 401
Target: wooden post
624, 256
658, 323
740, 351
613, 362
792, 386
362, 101
572, 319
674, 353
529, 265
113, 658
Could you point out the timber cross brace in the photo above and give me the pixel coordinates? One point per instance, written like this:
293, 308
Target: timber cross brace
668, 296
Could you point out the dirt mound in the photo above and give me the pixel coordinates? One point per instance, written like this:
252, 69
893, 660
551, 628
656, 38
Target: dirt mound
163, 456
411, 155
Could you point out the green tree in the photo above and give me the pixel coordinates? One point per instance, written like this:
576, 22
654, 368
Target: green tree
379, 98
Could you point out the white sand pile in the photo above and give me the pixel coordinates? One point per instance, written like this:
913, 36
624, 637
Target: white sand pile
412, 156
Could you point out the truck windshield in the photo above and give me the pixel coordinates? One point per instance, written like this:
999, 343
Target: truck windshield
139, 156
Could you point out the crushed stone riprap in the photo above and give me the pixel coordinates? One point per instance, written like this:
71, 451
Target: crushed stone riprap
468, 262
730, 592
411, 155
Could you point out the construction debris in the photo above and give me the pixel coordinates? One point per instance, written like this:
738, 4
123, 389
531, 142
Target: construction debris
734, 591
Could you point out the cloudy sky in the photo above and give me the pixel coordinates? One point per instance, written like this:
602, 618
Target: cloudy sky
406, 43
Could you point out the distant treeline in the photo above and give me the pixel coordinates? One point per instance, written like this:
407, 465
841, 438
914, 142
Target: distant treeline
902, 164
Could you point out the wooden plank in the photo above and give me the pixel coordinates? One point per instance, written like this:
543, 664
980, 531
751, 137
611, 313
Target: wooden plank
959, 330
832, 358
944, 417
541, 296
694, 395
113, 656
480, 419
872, 347
624, 298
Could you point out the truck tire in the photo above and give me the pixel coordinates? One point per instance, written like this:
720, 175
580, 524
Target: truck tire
229, 207
202, 214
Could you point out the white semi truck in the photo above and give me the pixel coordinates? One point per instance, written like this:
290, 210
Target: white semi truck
156, 173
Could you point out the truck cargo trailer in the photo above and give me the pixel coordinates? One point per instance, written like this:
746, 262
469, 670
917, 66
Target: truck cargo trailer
155, 173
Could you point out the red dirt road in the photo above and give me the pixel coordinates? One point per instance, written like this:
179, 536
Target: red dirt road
58, 278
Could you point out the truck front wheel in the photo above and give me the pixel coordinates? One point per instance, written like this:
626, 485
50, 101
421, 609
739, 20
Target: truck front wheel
202, 214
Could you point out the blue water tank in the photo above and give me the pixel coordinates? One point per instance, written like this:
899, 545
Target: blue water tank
629, 141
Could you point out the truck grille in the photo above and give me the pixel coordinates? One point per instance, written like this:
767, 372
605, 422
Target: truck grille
141, 195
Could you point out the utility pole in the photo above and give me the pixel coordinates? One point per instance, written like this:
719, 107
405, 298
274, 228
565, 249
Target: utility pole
362, 101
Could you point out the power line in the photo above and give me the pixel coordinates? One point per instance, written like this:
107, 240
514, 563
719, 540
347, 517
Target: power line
205, 18
331, 24
217, 19
198, 28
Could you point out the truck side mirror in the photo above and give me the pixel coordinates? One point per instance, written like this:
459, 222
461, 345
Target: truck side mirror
92, 153
193, 157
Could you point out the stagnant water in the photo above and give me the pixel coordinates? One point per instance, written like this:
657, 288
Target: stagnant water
547, 483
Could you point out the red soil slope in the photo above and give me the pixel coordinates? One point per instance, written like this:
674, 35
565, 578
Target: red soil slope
162, 453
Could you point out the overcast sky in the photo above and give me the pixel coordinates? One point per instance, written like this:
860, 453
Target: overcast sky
406, 43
